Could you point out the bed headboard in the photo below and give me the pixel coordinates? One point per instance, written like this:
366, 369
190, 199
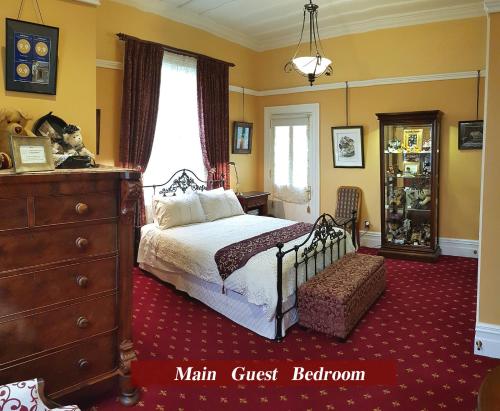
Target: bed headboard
185, 179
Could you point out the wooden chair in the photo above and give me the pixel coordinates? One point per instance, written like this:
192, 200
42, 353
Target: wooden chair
348, 199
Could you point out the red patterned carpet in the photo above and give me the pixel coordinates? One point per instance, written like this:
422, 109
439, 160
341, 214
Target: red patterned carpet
425, 321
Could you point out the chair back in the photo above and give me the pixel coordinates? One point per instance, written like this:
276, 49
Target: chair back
348, 199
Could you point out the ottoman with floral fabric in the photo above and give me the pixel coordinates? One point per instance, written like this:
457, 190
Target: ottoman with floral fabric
335, 300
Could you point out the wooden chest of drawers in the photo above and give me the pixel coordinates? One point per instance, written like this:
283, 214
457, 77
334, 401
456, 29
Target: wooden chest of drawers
66, 257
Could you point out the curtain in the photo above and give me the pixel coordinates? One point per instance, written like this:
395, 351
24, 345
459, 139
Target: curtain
213, 115
177, 136
141, 90
291, 158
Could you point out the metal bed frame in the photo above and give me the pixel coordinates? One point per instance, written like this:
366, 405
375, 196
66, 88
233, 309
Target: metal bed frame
325, 235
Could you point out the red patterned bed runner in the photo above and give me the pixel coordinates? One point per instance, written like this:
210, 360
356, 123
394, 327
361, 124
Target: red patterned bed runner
236, 255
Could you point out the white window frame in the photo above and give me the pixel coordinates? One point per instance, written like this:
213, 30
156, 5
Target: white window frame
313, 111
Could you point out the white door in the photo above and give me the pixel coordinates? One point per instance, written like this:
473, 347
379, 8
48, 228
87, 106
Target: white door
291, 161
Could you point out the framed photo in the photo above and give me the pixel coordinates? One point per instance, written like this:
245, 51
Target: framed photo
31, 57
347, 145
470, 135
411, 168
242, 137
412, 139
31, 153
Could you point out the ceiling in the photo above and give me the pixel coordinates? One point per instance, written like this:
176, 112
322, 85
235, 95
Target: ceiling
267, 24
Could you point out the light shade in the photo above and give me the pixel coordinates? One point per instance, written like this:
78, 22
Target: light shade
315, 64
311, 64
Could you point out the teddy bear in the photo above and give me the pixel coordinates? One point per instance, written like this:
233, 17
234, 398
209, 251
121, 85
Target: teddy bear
12, 122
5, 161
72, 137
15, 122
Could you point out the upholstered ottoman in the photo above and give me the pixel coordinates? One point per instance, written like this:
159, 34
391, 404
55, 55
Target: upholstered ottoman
335, 299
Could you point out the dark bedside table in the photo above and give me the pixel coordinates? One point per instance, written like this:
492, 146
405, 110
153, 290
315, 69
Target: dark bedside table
254, 200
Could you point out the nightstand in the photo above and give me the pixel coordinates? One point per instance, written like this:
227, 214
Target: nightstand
254, 200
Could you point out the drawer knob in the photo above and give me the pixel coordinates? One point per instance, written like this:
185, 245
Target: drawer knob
82, 322
81, 208
82, 281
82, 243
83, 363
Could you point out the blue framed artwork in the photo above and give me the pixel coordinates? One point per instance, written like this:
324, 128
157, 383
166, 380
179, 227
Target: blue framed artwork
31, 57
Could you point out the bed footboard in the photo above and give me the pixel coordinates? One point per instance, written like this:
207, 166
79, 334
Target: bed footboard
326, 240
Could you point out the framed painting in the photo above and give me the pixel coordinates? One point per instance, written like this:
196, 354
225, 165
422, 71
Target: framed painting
470, 135
347, 145
31, 57
242, 137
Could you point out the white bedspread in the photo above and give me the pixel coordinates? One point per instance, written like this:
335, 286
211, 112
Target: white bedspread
192, 248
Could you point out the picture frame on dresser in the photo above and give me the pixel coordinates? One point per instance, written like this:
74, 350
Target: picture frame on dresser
31, 154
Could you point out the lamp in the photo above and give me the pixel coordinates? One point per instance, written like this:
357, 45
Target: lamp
313, 65
232, 163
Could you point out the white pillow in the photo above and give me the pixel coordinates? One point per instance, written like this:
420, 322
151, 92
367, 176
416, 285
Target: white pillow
219, 204
177, 210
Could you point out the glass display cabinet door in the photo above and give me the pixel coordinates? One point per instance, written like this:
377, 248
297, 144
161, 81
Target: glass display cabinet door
408, 173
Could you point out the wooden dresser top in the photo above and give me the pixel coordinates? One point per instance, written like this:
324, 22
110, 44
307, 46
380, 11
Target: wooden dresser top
11, 177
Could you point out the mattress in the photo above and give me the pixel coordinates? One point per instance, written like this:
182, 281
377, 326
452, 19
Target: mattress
190, 250
230, 304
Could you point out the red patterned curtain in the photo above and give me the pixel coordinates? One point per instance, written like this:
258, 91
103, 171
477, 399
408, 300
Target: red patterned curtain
141, 93
213, 113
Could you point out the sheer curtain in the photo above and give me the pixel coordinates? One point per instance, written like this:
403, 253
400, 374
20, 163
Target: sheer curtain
291, 158
177, 136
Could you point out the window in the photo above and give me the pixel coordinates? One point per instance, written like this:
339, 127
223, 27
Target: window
291, 157
177, 137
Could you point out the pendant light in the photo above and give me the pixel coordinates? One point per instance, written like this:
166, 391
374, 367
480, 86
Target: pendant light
313, 65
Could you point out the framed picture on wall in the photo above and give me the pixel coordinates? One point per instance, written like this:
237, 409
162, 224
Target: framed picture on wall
31, 57
242, 137
347, 145
470, 135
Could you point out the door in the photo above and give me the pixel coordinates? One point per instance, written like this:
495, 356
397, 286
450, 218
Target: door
291, 163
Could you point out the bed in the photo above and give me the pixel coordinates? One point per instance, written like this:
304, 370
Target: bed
261, 294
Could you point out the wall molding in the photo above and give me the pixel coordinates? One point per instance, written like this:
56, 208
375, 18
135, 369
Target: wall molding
236, 89
203, 22
488, 338
374, 82
458, 75
449, 246
492, 6
109, 64
93, 2
459, 12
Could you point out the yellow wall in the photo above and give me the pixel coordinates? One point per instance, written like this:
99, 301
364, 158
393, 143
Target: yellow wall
247, 164
423, 49
489, 278
442, 47
113, 18
460, 170
435, 48
76, 78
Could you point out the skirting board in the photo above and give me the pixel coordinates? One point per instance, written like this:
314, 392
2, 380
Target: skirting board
449, 246
487, 340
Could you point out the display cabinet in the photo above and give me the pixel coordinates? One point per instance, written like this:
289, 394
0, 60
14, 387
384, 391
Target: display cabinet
409, 184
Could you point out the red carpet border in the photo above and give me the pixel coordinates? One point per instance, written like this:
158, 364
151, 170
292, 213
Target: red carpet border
425, 321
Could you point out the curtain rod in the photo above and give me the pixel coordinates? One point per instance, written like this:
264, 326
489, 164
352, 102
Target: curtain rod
125, 37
